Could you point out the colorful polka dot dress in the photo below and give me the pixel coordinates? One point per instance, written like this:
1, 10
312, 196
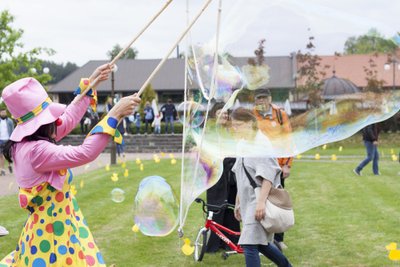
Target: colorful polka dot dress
56, 233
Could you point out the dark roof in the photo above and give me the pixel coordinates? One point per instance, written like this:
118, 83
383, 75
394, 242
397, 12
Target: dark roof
132, 74
335, 86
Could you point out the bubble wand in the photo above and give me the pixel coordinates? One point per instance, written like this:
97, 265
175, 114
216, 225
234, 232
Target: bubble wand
123, 51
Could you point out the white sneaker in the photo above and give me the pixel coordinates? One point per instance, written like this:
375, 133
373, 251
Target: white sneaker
3, 231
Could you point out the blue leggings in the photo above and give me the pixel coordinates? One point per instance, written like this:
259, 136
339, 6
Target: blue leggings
251, 253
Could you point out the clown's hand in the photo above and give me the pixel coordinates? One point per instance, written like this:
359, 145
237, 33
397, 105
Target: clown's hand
100, 74
124, 107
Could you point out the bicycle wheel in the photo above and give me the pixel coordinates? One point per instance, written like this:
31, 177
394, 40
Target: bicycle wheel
200, 244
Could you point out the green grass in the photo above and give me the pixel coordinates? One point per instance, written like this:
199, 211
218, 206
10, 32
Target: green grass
341, 219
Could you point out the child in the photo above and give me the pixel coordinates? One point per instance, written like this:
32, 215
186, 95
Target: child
137, 122
157, 123
55, 233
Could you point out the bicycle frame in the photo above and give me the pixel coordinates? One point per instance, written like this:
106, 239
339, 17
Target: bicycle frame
215, 227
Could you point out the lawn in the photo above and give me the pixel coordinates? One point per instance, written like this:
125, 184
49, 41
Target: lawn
341, 219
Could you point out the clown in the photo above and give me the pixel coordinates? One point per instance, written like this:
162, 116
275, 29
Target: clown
55, 233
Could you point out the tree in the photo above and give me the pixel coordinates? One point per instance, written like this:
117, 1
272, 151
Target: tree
15, 64
147, 96
131, 53
59, 71
256, 72
310, 72
371, 42
259, 52
373, 83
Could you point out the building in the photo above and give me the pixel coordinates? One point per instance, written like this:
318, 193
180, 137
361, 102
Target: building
353, 68
169, 81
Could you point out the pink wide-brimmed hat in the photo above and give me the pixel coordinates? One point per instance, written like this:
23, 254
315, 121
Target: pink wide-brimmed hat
31, 107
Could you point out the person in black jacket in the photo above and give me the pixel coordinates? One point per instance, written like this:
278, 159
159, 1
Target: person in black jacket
169, 114
370, 137
224, 191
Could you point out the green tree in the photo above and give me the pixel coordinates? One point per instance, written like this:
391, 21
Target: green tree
14, 63
371, 42
131, 53
147, 96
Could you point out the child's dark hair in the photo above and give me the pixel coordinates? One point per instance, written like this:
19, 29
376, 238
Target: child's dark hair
243, 114
43, 133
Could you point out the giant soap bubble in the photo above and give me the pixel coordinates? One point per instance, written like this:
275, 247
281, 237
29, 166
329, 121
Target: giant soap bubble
274, 87
155, 208
194, 112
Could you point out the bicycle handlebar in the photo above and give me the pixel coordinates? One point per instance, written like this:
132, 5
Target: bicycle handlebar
218, 208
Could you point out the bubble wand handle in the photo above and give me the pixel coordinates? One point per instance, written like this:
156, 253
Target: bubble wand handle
172, 49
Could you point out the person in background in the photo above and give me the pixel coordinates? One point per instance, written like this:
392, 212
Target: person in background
148, 116
121, 147
169, 111
6, 129
87, 121
157, 123
128, 123
137, 122
109, 104
94, 117
273, 122
82, 123
370, 138
224, 191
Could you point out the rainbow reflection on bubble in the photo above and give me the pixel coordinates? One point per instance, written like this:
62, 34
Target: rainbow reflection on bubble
201, 172
155, 208
117, 195
195, 113
227, 76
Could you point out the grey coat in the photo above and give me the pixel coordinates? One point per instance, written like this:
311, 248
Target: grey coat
268, 168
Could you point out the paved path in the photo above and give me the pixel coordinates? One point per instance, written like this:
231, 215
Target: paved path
8, 185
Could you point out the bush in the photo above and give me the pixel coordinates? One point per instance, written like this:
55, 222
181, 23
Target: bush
178, 129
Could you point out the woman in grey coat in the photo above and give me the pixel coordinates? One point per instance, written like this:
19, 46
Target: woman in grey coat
250, 210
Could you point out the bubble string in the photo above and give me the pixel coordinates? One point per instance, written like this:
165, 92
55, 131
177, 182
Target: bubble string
180, 230
196, 65
123, 51
182, 217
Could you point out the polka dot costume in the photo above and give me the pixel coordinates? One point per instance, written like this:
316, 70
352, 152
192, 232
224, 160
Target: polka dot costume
56, 233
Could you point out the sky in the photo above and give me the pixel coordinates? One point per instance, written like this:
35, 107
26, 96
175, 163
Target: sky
84, 30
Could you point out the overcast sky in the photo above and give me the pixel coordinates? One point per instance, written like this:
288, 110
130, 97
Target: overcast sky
83, 30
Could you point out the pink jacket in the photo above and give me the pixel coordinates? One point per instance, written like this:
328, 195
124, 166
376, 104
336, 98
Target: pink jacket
36, 162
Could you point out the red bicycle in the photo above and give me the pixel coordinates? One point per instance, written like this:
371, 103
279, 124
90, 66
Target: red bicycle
200, 245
